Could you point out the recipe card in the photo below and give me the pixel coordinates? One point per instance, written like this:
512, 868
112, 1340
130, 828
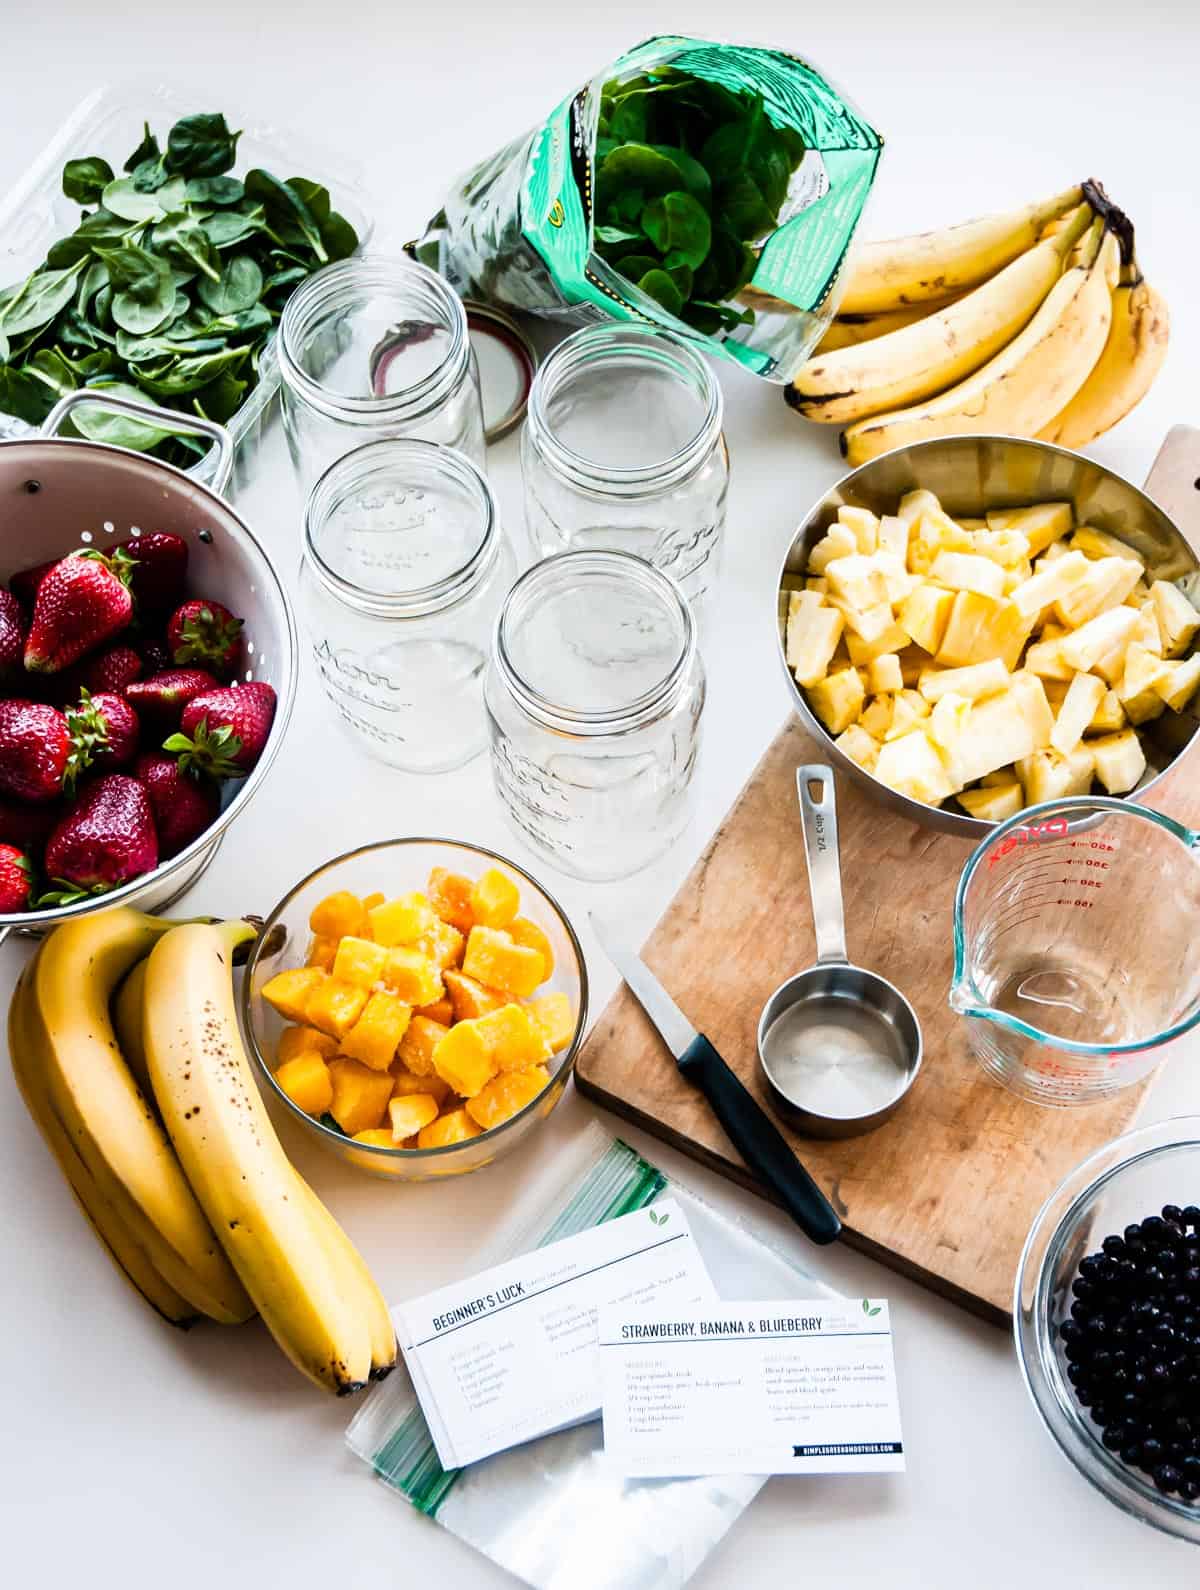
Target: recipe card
750, 1388
511, 1354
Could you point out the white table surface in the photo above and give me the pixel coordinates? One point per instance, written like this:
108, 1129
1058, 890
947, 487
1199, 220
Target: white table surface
132, 1452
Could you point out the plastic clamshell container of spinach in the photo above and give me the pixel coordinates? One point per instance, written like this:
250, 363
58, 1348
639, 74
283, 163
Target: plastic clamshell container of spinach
191, 209
712, 189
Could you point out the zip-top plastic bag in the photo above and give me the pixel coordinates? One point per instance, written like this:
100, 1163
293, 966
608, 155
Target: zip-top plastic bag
712, 189
551, 1511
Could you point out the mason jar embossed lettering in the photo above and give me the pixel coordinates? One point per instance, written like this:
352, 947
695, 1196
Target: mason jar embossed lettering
372, 348
404, 570
623, 450
594, 693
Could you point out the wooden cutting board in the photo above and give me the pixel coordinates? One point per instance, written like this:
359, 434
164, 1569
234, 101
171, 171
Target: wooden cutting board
946, 1190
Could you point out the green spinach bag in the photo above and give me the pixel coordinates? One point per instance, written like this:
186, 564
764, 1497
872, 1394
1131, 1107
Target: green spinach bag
712, 189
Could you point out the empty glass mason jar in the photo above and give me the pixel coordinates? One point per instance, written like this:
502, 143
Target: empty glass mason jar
370, 348
404, 570
623, 449
594, 695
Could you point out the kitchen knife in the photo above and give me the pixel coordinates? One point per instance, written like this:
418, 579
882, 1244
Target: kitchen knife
751, 1131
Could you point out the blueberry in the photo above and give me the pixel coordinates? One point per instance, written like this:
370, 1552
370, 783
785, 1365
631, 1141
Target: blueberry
1113, 1246
1172, 1214
1191, 1217
1083, 1289
1152, 1453
1131, 1453
1132, 1234
1189, 1490
1167, 1478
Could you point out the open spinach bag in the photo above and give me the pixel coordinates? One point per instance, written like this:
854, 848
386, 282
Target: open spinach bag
712, 189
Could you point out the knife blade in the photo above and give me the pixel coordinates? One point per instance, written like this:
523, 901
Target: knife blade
751, 1131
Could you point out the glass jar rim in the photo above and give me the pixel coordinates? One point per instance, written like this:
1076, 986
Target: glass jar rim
652, 703
354, 469
314, 297
614, 340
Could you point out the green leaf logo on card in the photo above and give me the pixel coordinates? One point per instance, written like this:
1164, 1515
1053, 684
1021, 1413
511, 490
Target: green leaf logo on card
659, 1220
869, 1310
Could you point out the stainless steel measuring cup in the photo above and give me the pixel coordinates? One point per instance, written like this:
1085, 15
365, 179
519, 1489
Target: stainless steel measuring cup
839, 1046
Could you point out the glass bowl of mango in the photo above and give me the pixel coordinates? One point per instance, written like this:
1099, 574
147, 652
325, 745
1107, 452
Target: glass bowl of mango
418, 1004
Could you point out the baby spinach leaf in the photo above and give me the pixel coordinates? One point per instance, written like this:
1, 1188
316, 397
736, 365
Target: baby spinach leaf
85, 180
227, 228
100, 229
678, 224
118, 430
636, 165
339, 237
659, 286
3, 348
628, 120
287, 213
35, 302
190, 372
135, 270
201, 146
125, 199
182, 239
149, 175
24, 395
214, 190
745, 208
635, 266
221, 399
695, 178
238, 286
146, 150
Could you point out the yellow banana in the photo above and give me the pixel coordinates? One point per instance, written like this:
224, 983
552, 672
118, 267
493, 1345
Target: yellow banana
130, 1259
219, 1124
847, 331
1019, 390
357, 1279
938, 350
127, 1019
931, 265
1125, 371
105, 1115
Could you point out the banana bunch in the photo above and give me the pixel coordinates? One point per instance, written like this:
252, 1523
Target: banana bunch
1036, 323
125, 1045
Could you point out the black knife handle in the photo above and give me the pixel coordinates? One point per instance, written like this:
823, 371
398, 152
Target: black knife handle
759, 1141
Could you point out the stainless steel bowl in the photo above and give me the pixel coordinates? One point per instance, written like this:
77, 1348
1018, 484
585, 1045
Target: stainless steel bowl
971, 474
57, 495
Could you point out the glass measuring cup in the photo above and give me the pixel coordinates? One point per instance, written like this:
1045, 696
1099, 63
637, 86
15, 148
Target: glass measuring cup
1077, 947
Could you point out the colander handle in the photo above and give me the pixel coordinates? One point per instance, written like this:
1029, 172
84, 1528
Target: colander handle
167, 419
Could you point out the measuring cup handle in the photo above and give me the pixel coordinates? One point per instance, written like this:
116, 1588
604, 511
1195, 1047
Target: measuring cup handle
819, 818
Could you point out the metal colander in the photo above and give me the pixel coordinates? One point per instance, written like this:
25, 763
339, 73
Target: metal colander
58, 494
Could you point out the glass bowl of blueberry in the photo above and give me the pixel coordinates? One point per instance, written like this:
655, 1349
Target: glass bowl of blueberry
1107, 1322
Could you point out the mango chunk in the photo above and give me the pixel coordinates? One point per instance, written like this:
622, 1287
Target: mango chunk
441, 1011
456, 1126
360, 1096
442, 943
359, 961
402, 920
514, 1038
505, 1095
321, 952
334, 1006
338, 914
409, 1113
463, 1058
469, 998
374, 1037
306, 1081
289, 991
376, 1137
495, 961
554, 1016
450, 895
494, 899
418, 1044
303, 1039
405, 1081
522, 931
412, 976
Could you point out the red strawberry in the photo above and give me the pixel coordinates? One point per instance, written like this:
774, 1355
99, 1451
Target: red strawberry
104, 731
160, 568
156, 658
109, 671
80, 602
204, 634
26, 827
12, 635
224, 730
106, 838
16, 877
164, 696
35, 745
183, 806
24, 583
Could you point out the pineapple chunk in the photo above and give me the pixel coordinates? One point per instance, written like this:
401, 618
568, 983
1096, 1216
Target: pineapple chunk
412, 976
965, 571
1051, 584
360, 1096
469, 998
377, 1032
418, 1044
817, 583
464, 1058
1111, 667
893, 536
1143, 671
1002, 728
868, 623
401, 921
884, 675
1178, 620
456, 1126
504, 1096
981, 628
1107, 583
450, 895
288, 992
942, 533
837, 700
947, 720
554, 1016
300, 1040
514, 1037
1002, 775
1119, 759
908, 711
994, 803
495, 899
813, 631
862, 524
1049, 776
1056, 549
1056, 691
409, 1113
306, 1081
339, 914
1016, 576
877, 718
498, 963
1045, 659
1095, 543
924, 615
1109, 715
1009, 548
979, 679
1040, 525
334, 1006
359, 961
911, 766
858, 580
913, 662
522, 931
858, 745
915, 503
1146, 631
1084, 648
1180, 684
1079, 707
862, 653
837, 542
